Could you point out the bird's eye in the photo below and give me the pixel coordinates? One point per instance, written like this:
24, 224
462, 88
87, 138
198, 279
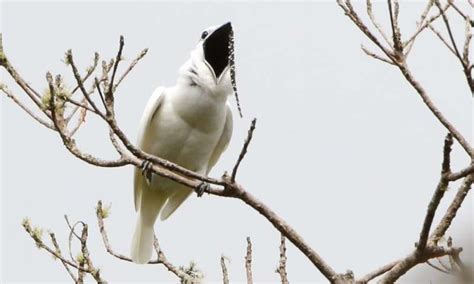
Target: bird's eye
204, 34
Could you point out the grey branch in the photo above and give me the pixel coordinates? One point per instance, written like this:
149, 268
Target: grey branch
248, 262
225, 273
282, 264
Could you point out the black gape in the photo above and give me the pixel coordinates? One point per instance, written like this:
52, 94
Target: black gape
216, 48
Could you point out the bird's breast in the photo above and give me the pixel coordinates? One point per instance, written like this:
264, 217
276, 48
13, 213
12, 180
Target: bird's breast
187, 128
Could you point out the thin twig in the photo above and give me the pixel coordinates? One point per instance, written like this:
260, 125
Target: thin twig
375, 23
80, 121
26, 225
448, 27
248, 262
81, 105
438, 268
89, 71
130, 68
437, 195
225, 273
81, 85
453, 208
415, 258
397, 44
464, 63
161, 259
373, 55
462, 173
5, 63
282, 264
438, 34
11, 96
244, 149
58, 250
110, 91
423, 25
376, 273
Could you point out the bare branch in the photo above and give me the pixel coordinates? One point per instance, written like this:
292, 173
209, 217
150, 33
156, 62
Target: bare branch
438, 268
282, 264
161, 259
58, 250
438, 34
36, 236
464, 61
244, 149
453, 208
5, 63
130, 68
448, 27
81, 105
11, 96
398, 59
110, 90
461, 13
396, 37
462, 173
248, 262
225, 274
80, 121
375, 23
437, 113
423, 25
415, 258
373, 55
438, 194
350, 12
89, 71
377, 272
467, 43
81, 85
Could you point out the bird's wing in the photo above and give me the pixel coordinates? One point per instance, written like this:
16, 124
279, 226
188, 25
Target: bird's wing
151, 109
223, 141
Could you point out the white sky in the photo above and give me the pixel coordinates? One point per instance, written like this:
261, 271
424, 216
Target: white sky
344, 149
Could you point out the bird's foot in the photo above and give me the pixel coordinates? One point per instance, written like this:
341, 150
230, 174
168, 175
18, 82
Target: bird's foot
146, 170
201, 188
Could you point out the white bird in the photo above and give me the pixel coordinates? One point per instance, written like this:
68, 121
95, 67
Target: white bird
189, 124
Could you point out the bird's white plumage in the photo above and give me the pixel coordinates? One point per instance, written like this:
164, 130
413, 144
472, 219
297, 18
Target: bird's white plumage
189, 124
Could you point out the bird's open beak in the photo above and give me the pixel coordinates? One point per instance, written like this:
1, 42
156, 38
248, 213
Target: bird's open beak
216, 49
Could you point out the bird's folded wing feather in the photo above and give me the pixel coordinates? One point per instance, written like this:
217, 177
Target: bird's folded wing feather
223, 141
151, 109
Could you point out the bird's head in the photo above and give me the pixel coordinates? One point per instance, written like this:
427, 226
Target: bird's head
209, 64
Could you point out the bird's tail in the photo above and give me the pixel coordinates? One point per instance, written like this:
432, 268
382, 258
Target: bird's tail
142, 243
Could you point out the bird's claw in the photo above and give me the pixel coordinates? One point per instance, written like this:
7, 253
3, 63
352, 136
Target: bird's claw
146, 170
201, 188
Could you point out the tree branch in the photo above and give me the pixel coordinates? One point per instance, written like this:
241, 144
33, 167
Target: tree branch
248, 262
225, 274
244, 149
453, 208
415, 258
438, 194
282, 264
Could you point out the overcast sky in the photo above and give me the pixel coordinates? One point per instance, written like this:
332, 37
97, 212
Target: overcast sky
344, 150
